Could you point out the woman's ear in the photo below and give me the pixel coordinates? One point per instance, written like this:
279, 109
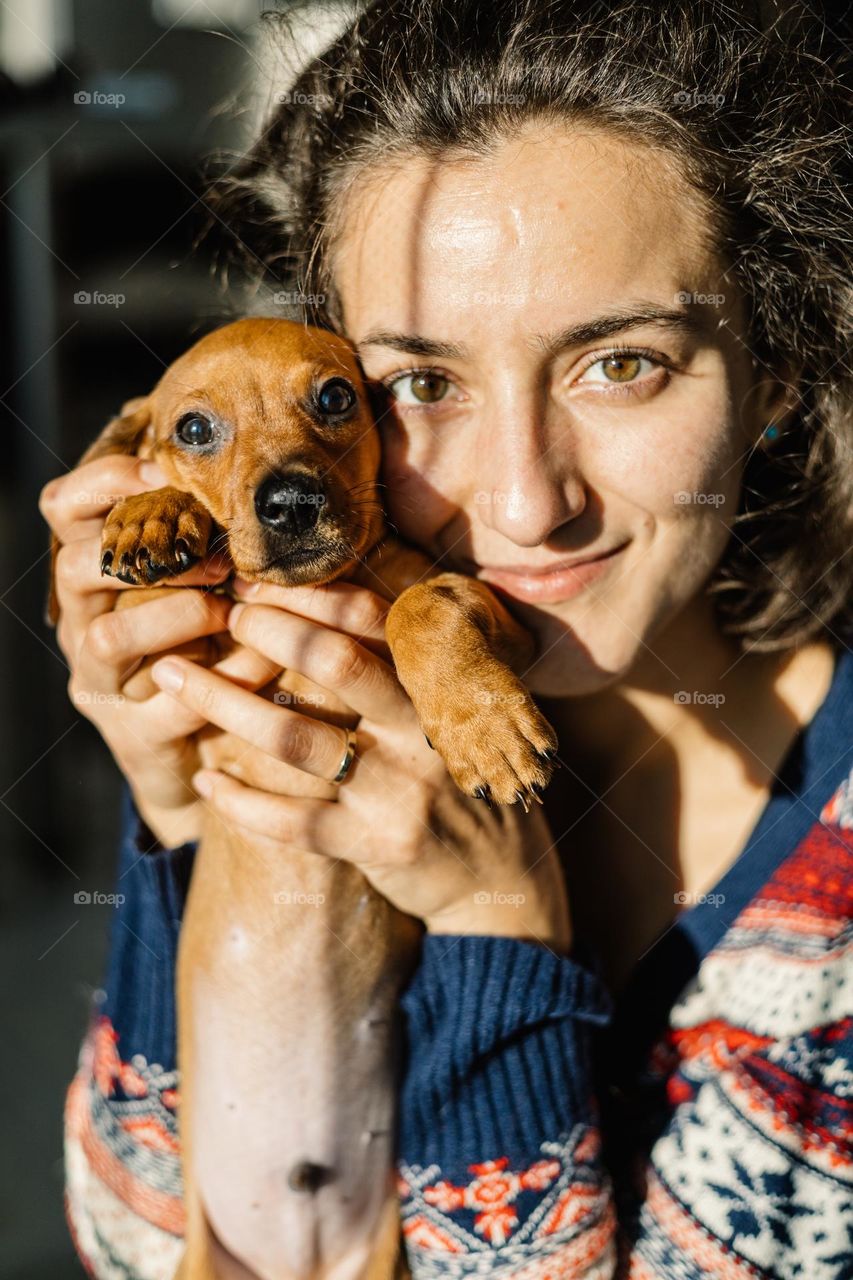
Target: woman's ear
127, 433
774, 402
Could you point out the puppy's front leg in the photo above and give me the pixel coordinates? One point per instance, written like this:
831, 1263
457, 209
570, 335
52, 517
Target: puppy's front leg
154, 535
454, 646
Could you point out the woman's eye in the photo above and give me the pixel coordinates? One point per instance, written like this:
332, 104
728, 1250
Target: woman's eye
195, 430
616, 369
335, 397
420, 387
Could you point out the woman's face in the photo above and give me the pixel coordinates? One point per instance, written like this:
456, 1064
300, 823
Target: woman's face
568, 383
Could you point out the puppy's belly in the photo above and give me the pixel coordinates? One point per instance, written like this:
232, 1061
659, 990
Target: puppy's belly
292, 974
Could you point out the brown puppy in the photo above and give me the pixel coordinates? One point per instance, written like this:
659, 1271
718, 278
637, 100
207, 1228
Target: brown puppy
285, 1042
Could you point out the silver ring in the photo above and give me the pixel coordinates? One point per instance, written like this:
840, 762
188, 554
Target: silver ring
349, 756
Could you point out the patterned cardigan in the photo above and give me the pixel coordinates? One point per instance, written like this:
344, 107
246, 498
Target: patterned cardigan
699, 1125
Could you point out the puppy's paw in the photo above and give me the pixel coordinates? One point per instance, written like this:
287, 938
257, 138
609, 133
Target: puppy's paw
154, 535
493, 738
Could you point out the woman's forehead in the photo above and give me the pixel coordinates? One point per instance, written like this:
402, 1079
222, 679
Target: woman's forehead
545, 220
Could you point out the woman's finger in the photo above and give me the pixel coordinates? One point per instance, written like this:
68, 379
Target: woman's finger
246, 668
117, 641
92, 489
83, 529
332, 660
84, 592
309, 825
313, 746
340, 605
78, 569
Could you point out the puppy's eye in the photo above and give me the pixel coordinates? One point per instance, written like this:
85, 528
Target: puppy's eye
195, 430
335, 397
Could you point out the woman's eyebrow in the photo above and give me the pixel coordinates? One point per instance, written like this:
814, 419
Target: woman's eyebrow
604, 326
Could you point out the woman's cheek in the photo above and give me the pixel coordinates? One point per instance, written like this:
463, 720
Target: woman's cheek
685, 460
415, 473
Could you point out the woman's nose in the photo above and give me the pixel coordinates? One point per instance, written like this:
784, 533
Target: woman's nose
530, 486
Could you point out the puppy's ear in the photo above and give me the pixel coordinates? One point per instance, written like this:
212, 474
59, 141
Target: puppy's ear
126, 434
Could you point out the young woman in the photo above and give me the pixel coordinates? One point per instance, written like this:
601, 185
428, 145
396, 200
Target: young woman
597, 259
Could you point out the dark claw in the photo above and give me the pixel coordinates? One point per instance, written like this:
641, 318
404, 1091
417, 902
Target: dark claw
124, 575
482, 793
106, 561
525, 802
182, 553
429, 744
550, 754
151, 570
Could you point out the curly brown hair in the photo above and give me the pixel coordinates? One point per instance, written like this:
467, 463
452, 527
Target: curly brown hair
754, 106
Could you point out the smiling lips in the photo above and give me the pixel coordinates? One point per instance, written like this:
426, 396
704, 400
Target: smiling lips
549, 586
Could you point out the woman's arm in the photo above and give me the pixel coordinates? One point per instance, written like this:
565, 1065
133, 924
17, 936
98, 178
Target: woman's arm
123, 1181
499, 1150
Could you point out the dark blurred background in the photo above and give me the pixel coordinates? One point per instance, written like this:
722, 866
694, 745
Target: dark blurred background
109, 114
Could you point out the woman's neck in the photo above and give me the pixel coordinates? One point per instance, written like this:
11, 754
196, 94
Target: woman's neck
661, 792
694, 687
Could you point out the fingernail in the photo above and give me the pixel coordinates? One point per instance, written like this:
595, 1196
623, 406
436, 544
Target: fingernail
168, 675
245, 588
234, 614
203, 783
152, 474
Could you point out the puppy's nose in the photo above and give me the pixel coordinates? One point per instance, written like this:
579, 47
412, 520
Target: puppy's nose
290, 503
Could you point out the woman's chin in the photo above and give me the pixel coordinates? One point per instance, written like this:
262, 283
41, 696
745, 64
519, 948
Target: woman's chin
567, 667
576, 681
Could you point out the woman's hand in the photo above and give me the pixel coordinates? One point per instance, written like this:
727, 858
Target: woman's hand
150, 739
399, 817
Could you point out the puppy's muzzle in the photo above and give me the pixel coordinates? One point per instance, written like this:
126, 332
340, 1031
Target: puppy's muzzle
290, 504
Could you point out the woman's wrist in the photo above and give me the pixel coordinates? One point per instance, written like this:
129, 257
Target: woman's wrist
508, 915
169, 827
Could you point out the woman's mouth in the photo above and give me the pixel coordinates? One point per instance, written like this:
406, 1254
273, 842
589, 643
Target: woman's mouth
549, 585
